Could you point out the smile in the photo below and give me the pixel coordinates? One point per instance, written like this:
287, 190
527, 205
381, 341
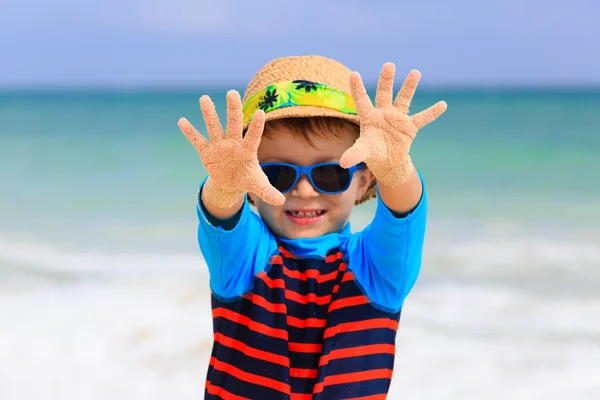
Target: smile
305, 217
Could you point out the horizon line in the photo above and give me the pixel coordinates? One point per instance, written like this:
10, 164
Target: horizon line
177, 88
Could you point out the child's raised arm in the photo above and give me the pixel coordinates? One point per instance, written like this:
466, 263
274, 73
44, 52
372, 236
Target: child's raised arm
230, 159
234, 242
390, 248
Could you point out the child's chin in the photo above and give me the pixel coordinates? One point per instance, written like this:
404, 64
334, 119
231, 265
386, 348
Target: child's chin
305, 235
309, 232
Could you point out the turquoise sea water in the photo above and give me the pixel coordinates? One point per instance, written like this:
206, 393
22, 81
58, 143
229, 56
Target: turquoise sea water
97, 244
120, 156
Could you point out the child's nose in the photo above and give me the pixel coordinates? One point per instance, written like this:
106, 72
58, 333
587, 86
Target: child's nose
304, 188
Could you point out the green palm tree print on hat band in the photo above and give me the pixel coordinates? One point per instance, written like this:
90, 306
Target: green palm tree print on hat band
298, 93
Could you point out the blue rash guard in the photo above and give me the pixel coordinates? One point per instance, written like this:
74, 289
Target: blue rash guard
308, 318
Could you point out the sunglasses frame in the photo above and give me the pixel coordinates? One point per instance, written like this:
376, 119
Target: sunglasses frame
307, 170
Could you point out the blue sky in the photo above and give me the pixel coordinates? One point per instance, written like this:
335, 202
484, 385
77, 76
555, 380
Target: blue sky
199, 42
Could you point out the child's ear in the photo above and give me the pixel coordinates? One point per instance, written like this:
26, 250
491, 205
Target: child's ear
366, 177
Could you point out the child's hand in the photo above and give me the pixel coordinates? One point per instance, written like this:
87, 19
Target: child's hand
230, 159
386, 131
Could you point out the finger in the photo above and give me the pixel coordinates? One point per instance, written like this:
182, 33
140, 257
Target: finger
358, 153
262, 187
235, 115
406, 93
427, 116
359, 94
255, 130
211, 119
385, 87
195, 138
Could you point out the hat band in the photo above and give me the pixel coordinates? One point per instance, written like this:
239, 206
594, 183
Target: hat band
298, 93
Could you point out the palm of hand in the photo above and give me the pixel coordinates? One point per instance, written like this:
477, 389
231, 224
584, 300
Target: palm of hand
387, 135
387, 131
230, 163
230, 159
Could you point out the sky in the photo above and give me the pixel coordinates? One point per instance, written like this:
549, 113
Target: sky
180, 43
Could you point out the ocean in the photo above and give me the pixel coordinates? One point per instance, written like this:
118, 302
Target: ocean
104, 292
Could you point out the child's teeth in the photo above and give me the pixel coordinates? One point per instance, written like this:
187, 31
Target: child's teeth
301, 214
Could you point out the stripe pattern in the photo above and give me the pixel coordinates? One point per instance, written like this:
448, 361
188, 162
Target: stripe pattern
306, 331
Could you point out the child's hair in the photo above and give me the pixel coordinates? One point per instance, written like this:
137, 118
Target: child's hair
309, 127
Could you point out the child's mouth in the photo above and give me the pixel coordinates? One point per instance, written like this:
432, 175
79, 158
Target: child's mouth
305, 217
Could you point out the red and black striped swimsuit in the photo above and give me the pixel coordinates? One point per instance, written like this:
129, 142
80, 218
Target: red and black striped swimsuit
305, 325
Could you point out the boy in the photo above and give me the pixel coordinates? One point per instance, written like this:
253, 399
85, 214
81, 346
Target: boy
303, 308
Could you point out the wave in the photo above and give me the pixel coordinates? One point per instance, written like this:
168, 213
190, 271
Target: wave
49, 261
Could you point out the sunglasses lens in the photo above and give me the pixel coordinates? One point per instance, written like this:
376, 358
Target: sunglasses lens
331, 178
281, 177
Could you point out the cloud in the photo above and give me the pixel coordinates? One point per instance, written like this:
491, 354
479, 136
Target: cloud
273, 21
223, 18
179, 17
310, 19
181, 41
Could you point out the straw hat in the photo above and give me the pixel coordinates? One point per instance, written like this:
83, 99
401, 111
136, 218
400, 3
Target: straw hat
292, 76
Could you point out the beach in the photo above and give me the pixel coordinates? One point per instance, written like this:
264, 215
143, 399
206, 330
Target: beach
104, 293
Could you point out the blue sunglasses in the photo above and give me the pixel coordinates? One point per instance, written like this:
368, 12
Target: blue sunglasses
327, 178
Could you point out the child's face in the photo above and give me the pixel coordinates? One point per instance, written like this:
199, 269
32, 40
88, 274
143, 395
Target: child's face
334, 210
